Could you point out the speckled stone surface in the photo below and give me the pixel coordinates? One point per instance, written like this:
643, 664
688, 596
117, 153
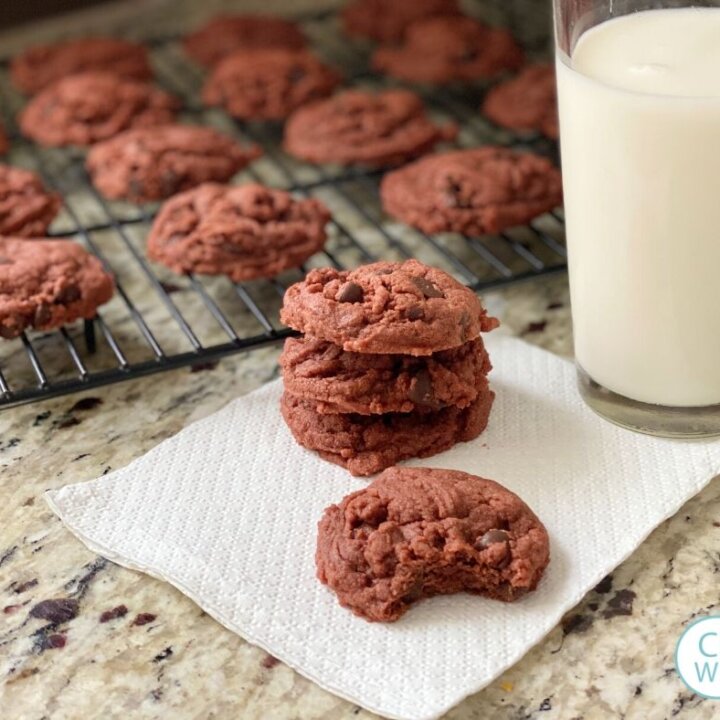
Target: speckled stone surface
129, 646
611, 657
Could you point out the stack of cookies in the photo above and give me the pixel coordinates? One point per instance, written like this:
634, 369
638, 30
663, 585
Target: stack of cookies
391, 365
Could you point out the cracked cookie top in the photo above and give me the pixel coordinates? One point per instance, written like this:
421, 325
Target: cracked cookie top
418, 532
402, 307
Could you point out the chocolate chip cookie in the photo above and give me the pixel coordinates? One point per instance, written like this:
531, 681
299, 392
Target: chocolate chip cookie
366, 128
42, 65
26, 208
47, 283
418, 532
527, 102
402, 307
335, 381
227, 33
88, 107
473, 192
367, 444
154, 163
268, 84
244, 232
449, 49
387, 20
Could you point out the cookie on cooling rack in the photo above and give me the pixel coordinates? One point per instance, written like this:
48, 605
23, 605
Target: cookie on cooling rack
26, 208
366, 128
268, 84
42, 65
418, 532
154, 163
244, 232
387, 20
386, 307
527, 102
225, 34
449, 49
472, 192
47, 283
88, 107
335, 381
367, 444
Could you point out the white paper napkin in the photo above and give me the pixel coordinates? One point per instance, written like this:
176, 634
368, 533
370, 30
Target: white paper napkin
226, 511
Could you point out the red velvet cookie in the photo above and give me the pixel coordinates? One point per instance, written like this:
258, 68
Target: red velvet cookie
335, 381
26, 208
473, 192
401, 307
47, 283
268, 84
448, 49
526, 102
418, 532
228, 33
387, 20
86, 108
358, 126
43, 65
244, 232
154, 163
367, 444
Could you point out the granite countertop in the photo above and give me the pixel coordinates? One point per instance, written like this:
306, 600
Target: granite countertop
138, 648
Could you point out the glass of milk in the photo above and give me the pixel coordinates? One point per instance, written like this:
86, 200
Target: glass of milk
639, 96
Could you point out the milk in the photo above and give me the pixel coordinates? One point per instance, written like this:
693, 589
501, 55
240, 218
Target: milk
640, 134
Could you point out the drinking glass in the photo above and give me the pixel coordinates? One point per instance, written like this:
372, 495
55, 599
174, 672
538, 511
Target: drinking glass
639, 102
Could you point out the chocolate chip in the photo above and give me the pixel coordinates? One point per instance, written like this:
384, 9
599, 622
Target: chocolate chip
414, 312
42, 315
296, 74
494, 537
350, 293
56, 611
491, 537
68, 294
427, 288
421, 391
452, 195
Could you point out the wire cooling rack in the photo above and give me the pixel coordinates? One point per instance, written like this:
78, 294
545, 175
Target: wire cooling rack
159, 321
